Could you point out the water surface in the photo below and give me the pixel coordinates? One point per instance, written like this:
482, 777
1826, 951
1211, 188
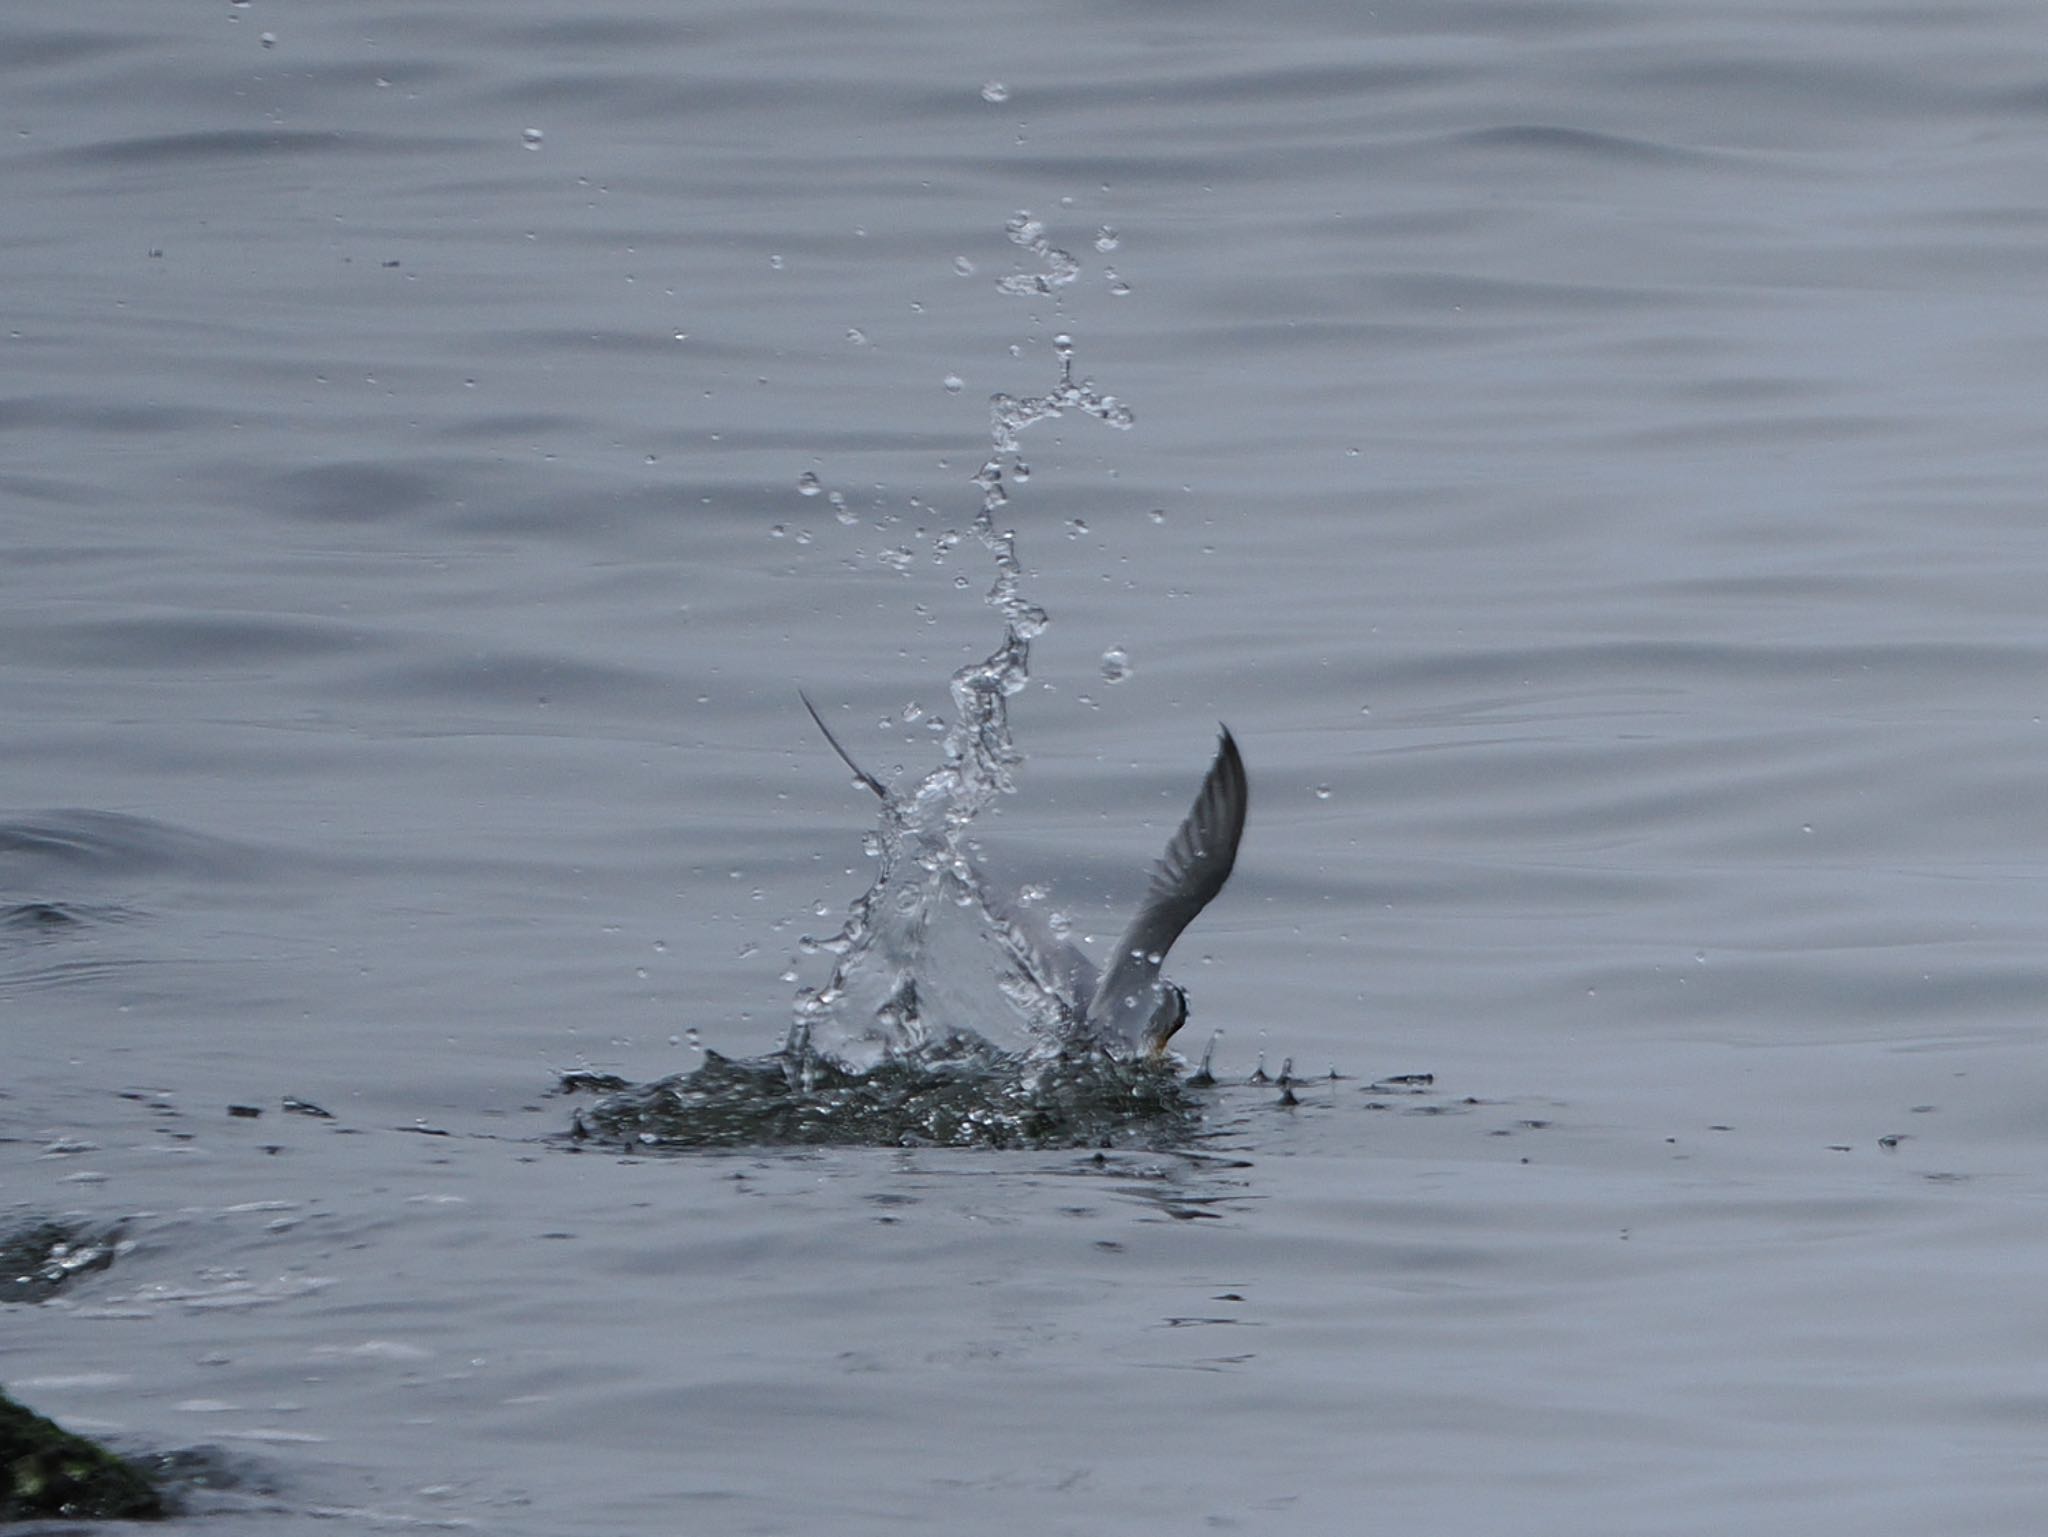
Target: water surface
1587, 453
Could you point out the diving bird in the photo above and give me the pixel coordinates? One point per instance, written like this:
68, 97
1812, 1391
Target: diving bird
1130, 1005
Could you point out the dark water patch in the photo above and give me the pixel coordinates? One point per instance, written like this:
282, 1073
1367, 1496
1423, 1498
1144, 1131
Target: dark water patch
516, 678
41, 1258
33, 52
168, 642
1778, 84
355, 491
40, 917
1582, 144
38, 846
959, 1094
164, 151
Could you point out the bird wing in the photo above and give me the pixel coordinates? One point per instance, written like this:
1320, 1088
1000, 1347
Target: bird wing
1196, 864
862, 775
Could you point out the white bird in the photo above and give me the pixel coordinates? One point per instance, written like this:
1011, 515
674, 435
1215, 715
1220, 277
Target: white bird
1130, 1005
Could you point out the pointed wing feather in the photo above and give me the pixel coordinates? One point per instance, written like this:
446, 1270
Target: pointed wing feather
1196, 864
881, 790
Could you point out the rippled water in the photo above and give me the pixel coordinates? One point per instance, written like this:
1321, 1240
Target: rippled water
1586, 453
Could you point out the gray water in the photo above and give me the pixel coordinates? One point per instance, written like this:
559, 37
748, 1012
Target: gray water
1589, 454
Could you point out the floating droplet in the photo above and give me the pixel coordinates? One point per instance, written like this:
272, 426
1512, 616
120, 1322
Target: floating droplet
954, 384
807, 484
1322, 792
1107, 239
995, 91
532, 137
1116, 665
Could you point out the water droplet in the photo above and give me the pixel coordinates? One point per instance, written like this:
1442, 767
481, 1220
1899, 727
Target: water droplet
1322, 792
857, 336
775, 262
995, 91
954, 384
269, 40
1107, 239
1157, 514
777, 531
1116, 665
963, 266
807, 484
532, 137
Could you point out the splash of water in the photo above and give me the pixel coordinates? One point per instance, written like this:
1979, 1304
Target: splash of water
943, 1021
928, 956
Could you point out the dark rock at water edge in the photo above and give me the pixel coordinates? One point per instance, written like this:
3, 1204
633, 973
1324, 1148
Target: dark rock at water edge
48, 1473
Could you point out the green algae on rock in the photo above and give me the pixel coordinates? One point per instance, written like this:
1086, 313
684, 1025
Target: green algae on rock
48, 1473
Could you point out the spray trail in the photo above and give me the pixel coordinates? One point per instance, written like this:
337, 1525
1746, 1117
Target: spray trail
924, 957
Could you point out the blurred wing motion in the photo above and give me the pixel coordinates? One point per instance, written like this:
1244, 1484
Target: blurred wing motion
1131, 1000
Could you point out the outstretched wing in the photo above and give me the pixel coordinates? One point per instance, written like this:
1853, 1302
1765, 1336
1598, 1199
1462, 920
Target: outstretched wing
1196, 864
